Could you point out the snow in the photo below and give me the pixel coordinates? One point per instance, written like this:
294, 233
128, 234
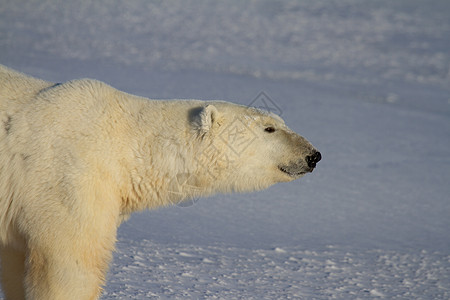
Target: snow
368, 83
224, 272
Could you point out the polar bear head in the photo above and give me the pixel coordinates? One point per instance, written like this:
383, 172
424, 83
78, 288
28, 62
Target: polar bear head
243, 148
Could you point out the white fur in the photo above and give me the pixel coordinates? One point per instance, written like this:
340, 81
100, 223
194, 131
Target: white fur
77, 158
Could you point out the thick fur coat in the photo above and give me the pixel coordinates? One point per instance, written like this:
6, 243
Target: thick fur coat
77, 158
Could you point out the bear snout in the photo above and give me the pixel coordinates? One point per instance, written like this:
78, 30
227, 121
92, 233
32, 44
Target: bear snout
313, 159
301, 167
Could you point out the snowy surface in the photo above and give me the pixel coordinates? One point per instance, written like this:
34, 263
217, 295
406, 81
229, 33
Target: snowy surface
367, 82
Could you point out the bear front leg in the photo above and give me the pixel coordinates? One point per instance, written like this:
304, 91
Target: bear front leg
12, 273
65, 273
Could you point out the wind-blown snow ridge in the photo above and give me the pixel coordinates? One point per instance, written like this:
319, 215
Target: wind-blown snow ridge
282, 39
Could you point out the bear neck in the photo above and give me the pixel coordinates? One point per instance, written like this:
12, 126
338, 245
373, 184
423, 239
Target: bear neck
173, 162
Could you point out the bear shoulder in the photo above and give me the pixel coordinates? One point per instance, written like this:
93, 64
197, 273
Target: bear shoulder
17, 88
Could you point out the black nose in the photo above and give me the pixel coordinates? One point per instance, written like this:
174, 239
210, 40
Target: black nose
313, 159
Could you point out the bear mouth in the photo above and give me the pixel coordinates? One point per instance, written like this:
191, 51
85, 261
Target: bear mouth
290, 172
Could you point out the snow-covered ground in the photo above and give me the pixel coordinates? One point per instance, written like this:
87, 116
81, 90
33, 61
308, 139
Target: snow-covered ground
367, 82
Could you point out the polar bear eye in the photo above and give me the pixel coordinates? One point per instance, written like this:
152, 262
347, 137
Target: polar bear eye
269, 129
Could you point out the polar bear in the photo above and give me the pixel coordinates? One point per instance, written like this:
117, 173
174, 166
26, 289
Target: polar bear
77, 158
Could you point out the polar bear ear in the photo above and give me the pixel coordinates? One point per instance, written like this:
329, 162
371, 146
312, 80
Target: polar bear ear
203, 118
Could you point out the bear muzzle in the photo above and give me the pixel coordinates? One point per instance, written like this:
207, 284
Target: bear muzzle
301, 167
